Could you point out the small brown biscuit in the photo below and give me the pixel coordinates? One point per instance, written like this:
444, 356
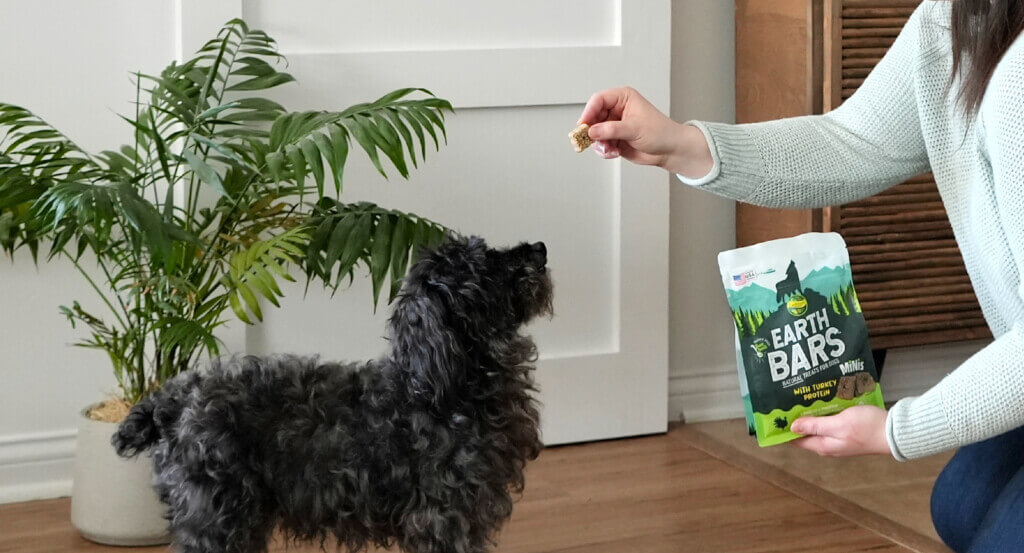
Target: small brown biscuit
847, 387
579, 138
865, 383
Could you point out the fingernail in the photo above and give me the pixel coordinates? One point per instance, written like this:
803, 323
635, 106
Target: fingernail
599, 147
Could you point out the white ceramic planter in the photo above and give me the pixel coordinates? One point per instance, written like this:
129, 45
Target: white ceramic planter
112, 500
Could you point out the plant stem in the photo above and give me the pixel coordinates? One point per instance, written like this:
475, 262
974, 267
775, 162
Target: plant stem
96, 288
110, 279
225, 218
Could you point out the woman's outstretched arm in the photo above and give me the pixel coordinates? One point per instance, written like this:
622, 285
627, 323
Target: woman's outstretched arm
871, 142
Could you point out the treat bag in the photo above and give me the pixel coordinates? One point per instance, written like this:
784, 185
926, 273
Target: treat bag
802, 342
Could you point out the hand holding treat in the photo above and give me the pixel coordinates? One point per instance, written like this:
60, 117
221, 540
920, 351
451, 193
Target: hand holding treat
623, 123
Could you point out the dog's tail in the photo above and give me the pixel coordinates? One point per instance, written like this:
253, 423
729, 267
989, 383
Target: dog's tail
138, 431
147, 419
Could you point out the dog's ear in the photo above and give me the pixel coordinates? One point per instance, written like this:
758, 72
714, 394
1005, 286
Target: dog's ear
426, 350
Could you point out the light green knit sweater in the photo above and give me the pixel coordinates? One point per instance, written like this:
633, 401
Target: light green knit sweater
902, 122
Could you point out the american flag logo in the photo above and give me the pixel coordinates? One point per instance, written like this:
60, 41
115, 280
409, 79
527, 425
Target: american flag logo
739, 280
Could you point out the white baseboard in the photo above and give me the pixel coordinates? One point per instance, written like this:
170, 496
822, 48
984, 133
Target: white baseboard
36, 466
712, 394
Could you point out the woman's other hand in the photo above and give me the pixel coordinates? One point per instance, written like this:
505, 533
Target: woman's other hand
858, 430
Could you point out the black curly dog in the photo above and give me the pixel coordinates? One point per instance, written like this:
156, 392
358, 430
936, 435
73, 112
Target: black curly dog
422, 448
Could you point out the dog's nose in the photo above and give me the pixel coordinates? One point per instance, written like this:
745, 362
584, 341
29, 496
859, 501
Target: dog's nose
540, 253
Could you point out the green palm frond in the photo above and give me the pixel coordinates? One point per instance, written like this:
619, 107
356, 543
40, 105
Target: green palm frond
317, 142
381, 239
188, 335
254, 272
37, 149
100, 215
239, 59
33, 157
188, 110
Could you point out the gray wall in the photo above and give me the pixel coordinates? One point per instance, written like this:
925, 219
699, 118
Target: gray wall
703, 87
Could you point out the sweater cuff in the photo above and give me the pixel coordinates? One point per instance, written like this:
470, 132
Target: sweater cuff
737, 168
917, 427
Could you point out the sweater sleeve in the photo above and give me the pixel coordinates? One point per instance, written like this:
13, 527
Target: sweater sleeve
869, 143
982, 397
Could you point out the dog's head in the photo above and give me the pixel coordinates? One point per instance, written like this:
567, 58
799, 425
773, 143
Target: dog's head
482, 287
456, 346
461, 301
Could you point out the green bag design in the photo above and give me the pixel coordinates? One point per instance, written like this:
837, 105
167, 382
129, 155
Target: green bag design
801, 341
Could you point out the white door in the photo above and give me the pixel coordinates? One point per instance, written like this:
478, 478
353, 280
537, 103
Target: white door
518, 74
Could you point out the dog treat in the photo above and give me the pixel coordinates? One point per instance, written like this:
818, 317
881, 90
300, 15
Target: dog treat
801, 341
579, 138
865, 383
847, 388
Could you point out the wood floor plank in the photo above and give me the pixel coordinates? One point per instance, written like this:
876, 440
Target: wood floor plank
646, 495
894, 504
653, 497
829, 473
908, 503
840, 538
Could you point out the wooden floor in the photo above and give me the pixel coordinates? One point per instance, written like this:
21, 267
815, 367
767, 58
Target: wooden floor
881, 494
646, 495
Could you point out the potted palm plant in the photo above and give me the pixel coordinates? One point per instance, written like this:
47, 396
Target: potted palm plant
221, 195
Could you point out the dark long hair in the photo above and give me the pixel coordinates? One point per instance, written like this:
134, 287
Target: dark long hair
982, 31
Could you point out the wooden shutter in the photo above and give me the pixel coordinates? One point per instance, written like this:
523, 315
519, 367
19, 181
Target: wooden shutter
910, 276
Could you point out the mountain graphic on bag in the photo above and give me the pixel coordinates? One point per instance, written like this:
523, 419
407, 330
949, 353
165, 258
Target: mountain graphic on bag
801, 341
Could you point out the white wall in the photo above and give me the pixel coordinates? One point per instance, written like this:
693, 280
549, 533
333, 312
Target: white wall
69, 62
701, 357
702, 378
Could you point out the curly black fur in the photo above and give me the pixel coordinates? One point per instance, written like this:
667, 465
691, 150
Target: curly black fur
422, 448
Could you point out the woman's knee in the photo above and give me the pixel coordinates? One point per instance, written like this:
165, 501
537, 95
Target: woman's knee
955, 520
971, 482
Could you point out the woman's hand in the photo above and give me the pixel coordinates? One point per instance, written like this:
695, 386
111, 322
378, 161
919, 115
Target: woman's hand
623, 123
858, 430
